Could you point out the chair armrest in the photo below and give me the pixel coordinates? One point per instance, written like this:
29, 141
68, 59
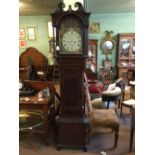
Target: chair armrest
114, 92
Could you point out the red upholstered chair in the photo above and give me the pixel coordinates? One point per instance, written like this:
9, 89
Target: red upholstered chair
94, 86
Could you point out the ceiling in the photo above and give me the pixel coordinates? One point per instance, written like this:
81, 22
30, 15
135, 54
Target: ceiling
45, 7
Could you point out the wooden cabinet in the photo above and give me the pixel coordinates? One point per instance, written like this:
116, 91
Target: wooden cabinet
126, 56
91, 62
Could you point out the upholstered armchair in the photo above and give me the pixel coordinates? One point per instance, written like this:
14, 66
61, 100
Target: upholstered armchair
101, 119
108, 99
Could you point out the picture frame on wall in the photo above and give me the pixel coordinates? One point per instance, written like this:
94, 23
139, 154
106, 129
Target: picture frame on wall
22, 43
94, 28
21, 33
31, 31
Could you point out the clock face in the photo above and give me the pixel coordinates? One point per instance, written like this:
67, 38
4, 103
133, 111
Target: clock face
72, 42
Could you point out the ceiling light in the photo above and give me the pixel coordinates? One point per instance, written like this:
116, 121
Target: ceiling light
24, 1
21, 4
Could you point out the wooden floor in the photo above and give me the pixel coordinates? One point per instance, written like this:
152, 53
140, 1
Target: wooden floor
99, 142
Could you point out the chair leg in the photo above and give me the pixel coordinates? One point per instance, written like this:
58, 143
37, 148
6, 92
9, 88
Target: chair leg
119, 103
115, 138
121, 111
131, 139
108, 102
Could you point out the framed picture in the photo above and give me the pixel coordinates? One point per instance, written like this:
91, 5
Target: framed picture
22, 43
31, 33
107, 64
21, 33
50, 30
94, 27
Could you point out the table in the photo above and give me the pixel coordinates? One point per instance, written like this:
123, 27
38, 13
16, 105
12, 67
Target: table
44, 105
28, 121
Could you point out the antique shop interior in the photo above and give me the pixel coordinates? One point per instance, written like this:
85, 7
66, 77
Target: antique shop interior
77, 77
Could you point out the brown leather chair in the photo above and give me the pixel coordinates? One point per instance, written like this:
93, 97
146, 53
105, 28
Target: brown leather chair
101, 119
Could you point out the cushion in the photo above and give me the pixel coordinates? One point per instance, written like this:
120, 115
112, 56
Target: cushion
130, 102
97, 103
111, 86
132, 83
96, 88
105, 118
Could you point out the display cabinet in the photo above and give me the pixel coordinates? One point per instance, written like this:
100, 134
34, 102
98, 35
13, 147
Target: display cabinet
91, 62
126, 55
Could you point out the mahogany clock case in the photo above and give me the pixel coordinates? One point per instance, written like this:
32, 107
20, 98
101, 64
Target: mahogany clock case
71, 58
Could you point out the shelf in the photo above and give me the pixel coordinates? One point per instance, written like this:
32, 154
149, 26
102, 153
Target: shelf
128, 67
132, 58
120, 58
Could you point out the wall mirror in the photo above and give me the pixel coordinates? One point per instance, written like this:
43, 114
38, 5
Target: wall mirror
107, 44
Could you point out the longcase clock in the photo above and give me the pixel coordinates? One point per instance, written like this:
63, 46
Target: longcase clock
71, 53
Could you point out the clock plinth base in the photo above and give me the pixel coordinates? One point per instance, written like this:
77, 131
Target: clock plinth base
72, 133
